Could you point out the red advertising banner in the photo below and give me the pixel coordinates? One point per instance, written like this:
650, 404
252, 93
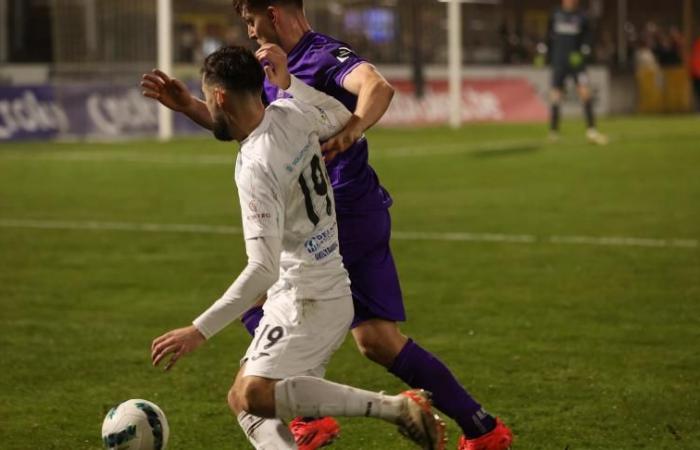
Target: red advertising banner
499, 100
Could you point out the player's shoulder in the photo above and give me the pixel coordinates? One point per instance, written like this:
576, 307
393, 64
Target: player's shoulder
328, 49
256, 168
286, 126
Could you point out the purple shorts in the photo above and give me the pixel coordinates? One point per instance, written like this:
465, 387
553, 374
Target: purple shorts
364, 244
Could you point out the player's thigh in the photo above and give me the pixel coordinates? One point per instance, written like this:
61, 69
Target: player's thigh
558, 83
374, 280
297, 336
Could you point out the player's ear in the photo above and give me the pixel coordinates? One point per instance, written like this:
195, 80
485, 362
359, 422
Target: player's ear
273, 14
219, 97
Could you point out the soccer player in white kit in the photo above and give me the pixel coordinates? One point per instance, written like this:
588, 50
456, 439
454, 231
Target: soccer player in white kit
291, 239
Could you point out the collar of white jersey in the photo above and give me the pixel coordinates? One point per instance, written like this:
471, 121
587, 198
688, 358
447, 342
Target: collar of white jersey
260, 129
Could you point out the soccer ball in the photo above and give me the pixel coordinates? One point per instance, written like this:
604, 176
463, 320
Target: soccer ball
135, 425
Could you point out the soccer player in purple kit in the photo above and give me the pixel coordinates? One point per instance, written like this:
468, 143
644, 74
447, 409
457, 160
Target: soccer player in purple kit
363, 219
364, 223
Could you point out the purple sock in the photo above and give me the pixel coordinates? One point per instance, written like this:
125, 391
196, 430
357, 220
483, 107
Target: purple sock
420, 369
251, 319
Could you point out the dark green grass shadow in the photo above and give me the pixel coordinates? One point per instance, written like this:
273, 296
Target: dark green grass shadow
505, 150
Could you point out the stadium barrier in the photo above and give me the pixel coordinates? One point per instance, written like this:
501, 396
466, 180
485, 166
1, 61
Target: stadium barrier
79, 111
488, 100
664, 91
102, 111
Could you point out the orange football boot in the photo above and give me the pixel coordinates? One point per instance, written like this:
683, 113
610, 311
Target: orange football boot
499, 438
316, 433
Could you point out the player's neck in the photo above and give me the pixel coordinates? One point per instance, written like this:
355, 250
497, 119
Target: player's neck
244, 118
298, 27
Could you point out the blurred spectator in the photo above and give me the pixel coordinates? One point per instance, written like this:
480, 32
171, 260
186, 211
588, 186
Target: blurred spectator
605, 49
187, 43
213, 39
695, 71
669, 47
645, 58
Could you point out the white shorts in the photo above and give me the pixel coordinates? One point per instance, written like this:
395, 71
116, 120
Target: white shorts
297, 337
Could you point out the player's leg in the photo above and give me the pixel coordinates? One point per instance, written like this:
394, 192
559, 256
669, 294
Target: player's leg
585, 95
262, 433
555, 99
293, 344
378, 340
259, 402
378, 308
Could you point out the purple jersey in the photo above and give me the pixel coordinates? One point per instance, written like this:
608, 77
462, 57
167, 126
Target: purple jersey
323, 62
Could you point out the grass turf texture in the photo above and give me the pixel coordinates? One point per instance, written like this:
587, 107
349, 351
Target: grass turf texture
575, 346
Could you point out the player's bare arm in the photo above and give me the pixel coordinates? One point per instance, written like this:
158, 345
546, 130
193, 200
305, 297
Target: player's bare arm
374, 95
173, 93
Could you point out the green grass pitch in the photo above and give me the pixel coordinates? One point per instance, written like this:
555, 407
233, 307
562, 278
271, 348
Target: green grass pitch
577, 341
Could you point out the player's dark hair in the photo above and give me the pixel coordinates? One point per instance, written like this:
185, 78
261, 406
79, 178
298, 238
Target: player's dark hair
259, 5
235, 68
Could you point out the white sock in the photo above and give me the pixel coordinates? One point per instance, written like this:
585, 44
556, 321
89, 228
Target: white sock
315, 397
266, 434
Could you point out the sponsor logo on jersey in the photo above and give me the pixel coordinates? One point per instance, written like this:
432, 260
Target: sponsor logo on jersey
317, 241
258, 216
326, 251
261, 218
342, 54
299, 158
567, 27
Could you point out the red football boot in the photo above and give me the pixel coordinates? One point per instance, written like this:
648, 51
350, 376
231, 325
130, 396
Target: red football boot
499, 438
316, 433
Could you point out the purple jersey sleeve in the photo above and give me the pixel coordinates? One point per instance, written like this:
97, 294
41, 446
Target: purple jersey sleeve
341, 61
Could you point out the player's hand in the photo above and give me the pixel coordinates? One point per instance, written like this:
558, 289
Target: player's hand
343, 140
176, 343
171, 92
576, 59
274, 61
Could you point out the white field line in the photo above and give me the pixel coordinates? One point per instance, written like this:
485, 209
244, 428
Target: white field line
614, 241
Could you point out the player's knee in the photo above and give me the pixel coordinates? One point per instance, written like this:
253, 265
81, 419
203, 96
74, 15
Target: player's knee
584, 94
555, 97
256, 396
380, 343
374, 351
235, 402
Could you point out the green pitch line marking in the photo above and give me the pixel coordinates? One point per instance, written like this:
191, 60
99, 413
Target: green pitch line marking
609, 241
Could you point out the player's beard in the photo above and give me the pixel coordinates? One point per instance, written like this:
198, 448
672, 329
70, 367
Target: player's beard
220, 130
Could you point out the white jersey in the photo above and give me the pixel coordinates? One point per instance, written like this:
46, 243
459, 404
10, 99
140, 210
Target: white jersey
285, 192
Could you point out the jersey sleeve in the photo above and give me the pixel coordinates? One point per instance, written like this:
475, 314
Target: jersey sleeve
261, 272
262, 207
339, 61
329, 115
